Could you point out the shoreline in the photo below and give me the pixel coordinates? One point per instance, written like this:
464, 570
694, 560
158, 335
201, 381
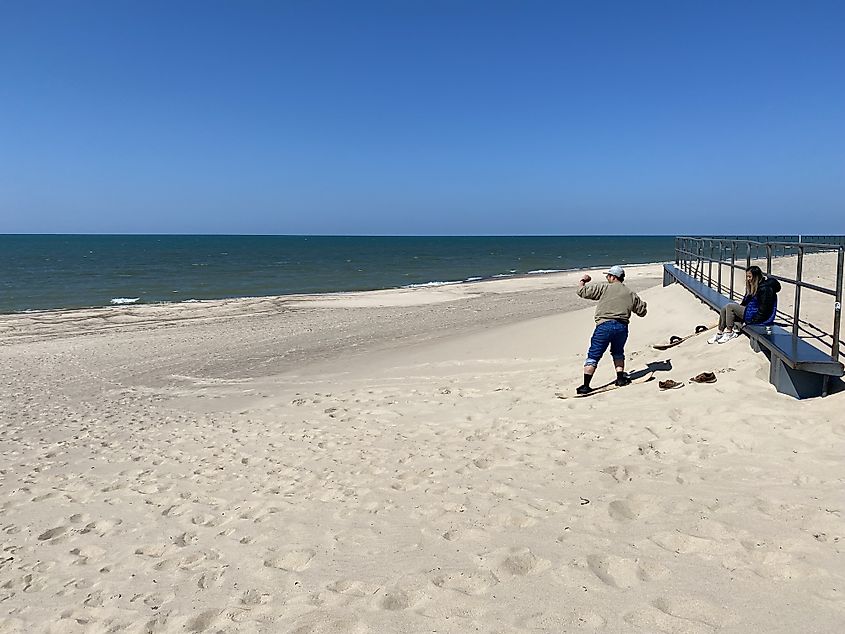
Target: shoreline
87, 320
423, 285
241, 338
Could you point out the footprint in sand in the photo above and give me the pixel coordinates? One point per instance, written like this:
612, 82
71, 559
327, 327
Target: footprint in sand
95, 599
647, 620
154, 551
451, 535
678, 614
186, 539
52, 533
87, 554
254, 597
456, 609
682, 543
203, 621
211, 578
623, 573
197, 560
328, 623
31, 583
399, 599
292, 561
154, 600
769, 564
205, 519
516, 562
101, 527
470, 582
354, 587
620, 473
574, 621
513, 520
632, 508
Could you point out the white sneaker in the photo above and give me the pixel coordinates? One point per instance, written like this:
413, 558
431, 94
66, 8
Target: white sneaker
715, 338
728, 336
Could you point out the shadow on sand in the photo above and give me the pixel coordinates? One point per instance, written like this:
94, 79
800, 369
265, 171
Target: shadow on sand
651, 368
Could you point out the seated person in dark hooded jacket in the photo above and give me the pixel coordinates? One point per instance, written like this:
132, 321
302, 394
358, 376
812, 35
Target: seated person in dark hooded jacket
759, 306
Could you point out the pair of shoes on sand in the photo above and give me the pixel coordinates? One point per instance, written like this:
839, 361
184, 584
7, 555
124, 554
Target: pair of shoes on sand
704, 377
669, 384
723, 337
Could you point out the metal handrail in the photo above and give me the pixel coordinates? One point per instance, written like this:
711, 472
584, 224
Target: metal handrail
828, 240
692, 253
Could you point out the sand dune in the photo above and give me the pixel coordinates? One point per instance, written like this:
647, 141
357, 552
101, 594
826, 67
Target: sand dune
408, 469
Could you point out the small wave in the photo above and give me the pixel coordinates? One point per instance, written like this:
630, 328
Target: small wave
542, 271
429, 284
124, 300
473, 279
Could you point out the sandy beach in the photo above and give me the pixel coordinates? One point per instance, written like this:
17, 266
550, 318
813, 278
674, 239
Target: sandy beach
399, 461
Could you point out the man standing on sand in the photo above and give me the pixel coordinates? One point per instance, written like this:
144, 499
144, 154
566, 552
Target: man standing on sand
616, 303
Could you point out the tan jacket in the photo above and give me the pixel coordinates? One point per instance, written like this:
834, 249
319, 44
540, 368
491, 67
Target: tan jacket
616, 301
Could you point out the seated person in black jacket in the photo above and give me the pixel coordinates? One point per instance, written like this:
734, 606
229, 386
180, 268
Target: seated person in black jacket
759, 306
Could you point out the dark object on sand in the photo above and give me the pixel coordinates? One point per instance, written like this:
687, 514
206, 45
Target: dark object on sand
674, 340
669, 384
641, 376
704, 377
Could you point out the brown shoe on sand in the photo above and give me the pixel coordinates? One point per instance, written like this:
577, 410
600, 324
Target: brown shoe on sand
704, 377
669, 384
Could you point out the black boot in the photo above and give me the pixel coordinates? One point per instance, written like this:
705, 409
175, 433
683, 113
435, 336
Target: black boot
622, 379
585, 389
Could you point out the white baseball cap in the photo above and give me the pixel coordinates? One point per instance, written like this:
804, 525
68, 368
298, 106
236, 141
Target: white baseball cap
616, 271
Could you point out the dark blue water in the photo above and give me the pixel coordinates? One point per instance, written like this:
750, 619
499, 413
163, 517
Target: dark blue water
75, 271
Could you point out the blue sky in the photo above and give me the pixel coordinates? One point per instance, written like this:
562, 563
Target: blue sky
412, 117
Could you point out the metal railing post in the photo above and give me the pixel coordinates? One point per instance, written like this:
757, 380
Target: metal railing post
721, 249
700, 251
710, 266
733, 268
837, 306
768, 259
687, 257
692, 257
796, 309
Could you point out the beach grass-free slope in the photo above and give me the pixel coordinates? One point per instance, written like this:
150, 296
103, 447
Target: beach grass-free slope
398, 462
